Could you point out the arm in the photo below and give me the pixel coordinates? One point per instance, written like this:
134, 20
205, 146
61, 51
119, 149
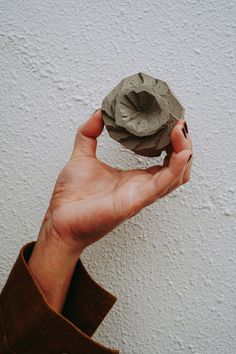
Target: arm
29, 325
91, 198
52, 265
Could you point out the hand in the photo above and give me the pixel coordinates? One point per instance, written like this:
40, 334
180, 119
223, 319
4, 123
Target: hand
91, 198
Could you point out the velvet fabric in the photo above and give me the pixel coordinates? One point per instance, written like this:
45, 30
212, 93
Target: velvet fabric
28, 325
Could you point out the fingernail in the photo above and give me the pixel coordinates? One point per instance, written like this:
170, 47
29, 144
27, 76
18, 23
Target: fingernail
183, 130
95, 111
186, 127
189, 158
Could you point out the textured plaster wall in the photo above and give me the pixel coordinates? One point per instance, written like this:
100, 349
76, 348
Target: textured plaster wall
172, 266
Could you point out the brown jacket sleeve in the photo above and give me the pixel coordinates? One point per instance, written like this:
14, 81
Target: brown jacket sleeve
28, 325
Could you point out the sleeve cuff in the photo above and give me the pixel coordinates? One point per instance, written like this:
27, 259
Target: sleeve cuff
87, 303
29, 325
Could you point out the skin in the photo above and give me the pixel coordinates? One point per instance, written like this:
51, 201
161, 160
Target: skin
91, 198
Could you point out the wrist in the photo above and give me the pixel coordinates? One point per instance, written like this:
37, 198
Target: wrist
52, 264
49, 245
51, 239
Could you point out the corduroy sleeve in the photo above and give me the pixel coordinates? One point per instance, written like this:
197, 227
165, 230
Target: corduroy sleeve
28, 325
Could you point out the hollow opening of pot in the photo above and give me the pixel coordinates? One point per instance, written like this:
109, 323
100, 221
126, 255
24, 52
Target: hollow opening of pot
142, 101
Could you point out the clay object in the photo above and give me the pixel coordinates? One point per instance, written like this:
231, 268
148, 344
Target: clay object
140, 113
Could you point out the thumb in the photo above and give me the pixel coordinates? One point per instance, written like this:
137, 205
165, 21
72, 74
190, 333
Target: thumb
85, 141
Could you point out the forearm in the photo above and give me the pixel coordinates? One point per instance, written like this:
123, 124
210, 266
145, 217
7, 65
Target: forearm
52, 264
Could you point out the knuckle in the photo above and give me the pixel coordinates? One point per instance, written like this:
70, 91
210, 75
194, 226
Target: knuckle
186, 179
78, 131
77, 134
178, 181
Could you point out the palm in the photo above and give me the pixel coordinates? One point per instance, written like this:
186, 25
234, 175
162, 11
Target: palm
91, 198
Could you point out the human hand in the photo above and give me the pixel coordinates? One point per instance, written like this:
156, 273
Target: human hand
91, 198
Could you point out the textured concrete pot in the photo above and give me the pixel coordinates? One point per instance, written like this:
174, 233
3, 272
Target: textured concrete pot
140, 113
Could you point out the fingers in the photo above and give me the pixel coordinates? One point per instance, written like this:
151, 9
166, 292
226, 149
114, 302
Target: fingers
180, 137
163, 180
173, 173
185, 178
85, 142
169, 151
176, 170
154, 169
180, 140
188, 171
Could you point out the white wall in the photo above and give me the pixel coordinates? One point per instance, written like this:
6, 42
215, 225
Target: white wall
172, 266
